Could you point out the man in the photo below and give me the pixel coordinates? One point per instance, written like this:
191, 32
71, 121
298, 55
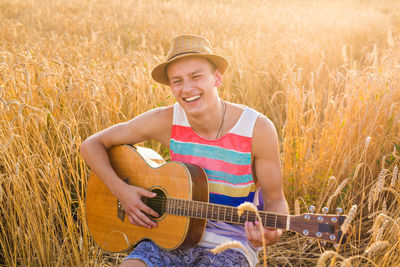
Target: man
237, 147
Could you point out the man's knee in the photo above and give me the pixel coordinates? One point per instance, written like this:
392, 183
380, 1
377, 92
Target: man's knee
133, 263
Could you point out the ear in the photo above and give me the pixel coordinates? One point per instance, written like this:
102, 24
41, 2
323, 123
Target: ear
218, 78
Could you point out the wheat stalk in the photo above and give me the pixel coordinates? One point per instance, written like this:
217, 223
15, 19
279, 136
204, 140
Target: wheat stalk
325, 256
337, 191
251, 207
379, 185
296, 207
394, 176
229, 245
349, 219
377, 246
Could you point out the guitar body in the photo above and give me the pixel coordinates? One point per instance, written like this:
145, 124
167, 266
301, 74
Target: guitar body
107, 222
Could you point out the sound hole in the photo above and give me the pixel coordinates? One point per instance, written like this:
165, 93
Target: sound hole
158, 203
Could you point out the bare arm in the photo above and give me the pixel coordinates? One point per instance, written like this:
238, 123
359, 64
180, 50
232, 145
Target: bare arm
154, 124
267, 168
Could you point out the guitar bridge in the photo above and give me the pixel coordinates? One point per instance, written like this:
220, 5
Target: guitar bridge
120, 209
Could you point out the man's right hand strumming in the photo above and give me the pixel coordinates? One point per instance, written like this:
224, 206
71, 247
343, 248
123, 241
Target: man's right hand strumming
131, 200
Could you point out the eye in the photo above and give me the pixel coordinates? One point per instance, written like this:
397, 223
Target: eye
196, 77
176, 82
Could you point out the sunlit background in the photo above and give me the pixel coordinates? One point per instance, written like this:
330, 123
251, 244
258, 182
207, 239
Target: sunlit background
327, 73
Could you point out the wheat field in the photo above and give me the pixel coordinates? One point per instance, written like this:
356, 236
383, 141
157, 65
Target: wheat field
327, 73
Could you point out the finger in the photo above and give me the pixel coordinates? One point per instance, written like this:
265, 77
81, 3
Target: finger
134, 220
253, 231
144, 219
253, 235
257, 225
146, 193
247, 231
271, 235
147, 209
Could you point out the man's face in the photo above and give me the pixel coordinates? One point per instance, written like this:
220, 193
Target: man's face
194, 83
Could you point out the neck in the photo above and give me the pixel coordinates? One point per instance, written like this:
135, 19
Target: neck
208, 123
229, 214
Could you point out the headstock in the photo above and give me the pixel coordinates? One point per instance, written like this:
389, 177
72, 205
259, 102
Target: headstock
319, 226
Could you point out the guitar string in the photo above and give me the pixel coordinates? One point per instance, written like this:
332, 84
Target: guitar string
235, 217
278, 222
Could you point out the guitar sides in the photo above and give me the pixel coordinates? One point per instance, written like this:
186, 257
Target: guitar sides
141, 167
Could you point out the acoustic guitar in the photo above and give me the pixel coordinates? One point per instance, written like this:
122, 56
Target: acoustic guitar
182, 205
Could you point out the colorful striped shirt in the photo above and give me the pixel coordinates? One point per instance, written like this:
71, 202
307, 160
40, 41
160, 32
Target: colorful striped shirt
226, 160
227, 163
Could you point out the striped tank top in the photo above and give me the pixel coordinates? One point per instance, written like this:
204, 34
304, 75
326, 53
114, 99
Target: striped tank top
226, 160
227, 163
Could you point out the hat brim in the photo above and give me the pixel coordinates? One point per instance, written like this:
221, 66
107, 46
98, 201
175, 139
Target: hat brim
159, 73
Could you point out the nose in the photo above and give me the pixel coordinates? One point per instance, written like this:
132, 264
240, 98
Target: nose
187, 85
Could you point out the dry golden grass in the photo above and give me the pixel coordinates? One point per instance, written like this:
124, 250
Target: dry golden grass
327, 73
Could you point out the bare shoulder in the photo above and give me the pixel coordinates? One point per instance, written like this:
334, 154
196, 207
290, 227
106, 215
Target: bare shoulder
154, 124
265, 137
161, 114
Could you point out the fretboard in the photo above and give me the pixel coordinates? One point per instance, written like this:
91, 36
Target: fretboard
215, 212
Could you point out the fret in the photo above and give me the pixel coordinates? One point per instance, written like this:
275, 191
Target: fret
265, 219
231, 214
276, 217
200, 213
247, 215
279, 223
212, 212
227, 213
224, 213
282, 222
185, 207
207, 216
215, 213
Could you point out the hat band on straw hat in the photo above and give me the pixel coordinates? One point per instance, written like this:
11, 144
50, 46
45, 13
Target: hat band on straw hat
174, 56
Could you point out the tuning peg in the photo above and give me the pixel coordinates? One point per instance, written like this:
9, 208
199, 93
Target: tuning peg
323, 243
325, 210
339, 211
311, 209
309, 241
336, 246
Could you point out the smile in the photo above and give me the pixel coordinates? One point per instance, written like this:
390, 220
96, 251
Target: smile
191, 99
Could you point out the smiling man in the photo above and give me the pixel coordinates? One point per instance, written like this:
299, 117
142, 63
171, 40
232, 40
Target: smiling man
236, 146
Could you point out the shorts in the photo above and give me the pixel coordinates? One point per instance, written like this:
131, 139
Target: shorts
199, 256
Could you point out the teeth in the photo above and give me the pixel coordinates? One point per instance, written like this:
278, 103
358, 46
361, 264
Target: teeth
189, 99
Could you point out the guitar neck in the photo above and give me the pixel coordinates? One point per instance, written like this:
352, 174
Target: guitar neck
216, 212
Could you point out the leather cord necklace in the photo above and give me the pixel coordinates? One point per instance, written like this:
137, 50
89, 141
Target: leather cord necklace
223, 117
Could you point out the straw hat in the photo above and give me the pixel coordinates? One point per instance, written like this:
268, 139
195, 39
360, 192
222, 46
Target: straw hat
188, 45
